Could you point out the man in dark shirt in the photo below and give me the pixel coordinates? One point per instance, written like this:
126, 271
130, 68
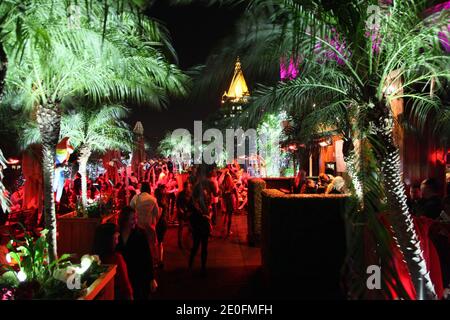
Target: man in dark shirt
170, 165
430, 205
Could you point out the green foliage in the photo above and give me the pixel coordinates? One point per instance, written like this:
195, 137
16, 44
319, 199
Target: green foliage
50, 60
270, 133
345, 82
98, 129
35, 277
179, 148
97, 209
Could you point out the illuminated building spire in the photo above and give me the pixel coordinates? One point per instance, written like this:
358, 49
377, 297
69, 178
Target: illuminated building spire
238, 91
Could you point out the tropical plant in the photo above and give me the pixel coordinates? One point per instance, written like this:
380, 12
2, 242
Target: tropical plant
352, 71
179, 148
92, 130
106, 60
31, 275
271, 131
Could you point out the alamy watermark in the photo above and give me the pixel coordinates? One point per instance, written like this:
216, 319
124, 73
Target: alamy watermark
74, 17
73, 282
373, 281
229, 145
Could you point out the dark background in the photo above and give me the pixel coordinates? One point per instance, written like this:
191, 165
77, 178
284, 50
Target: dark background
196, 30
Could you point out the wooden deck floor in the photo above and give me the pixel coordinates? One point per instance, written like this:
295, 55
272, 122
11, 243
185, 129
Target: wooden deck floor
233, 267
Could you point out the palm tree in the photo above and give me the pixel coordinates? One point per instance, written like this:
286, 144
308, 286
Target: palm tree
106, 60
178, 148
352, 74
92, 130
4, 201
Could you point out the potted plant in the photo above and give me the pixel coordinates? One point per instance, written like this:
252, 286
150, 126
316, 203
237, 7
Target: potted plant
30, 275
76, 230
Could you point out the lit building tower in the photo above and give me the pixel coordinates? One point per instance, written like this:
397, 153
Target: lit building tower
237, 95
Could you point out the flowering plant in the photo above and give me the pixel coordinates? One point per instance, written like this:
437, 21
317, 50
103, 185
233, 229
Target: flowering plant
30, 275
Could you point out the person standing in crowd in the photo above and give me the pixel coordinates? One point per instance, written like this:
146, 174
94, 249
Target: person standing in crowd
77, 185
66, 205
161, 225
133, 180
414, 197
172, 189
93, 191
147, 212
230, 196
169, 165
430, 204
184, 209
163, 176
215, 199
193, 175
105, 242
133, 246
200, 218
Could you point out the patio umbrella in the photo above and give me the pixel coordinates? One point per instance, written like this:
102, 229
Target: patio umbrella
138, 151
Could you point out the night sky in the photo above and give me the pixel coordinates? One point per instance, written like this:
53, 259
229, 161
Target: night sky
195, 30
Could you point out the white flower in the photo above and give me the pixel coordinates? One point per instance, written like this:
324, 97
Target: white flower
21, 275
86, 262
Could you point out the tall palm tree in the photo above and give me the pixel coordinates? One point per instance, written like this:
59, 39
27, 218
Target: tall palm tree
4, 201
92, 130
352, 74
106, 60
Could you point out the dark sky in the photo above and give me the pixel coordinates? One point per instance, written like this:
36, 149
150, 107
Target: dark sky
195, 31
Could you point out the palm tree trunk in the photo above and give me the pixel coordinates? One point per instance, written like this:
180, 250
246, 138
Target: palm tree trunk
3, 67
85, 153
351, 159
49, 119
402, 222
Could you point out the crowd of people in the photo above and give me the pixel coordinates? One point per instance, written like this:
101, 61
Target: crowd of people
326, 183
148, 203
424, 198
136, 244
